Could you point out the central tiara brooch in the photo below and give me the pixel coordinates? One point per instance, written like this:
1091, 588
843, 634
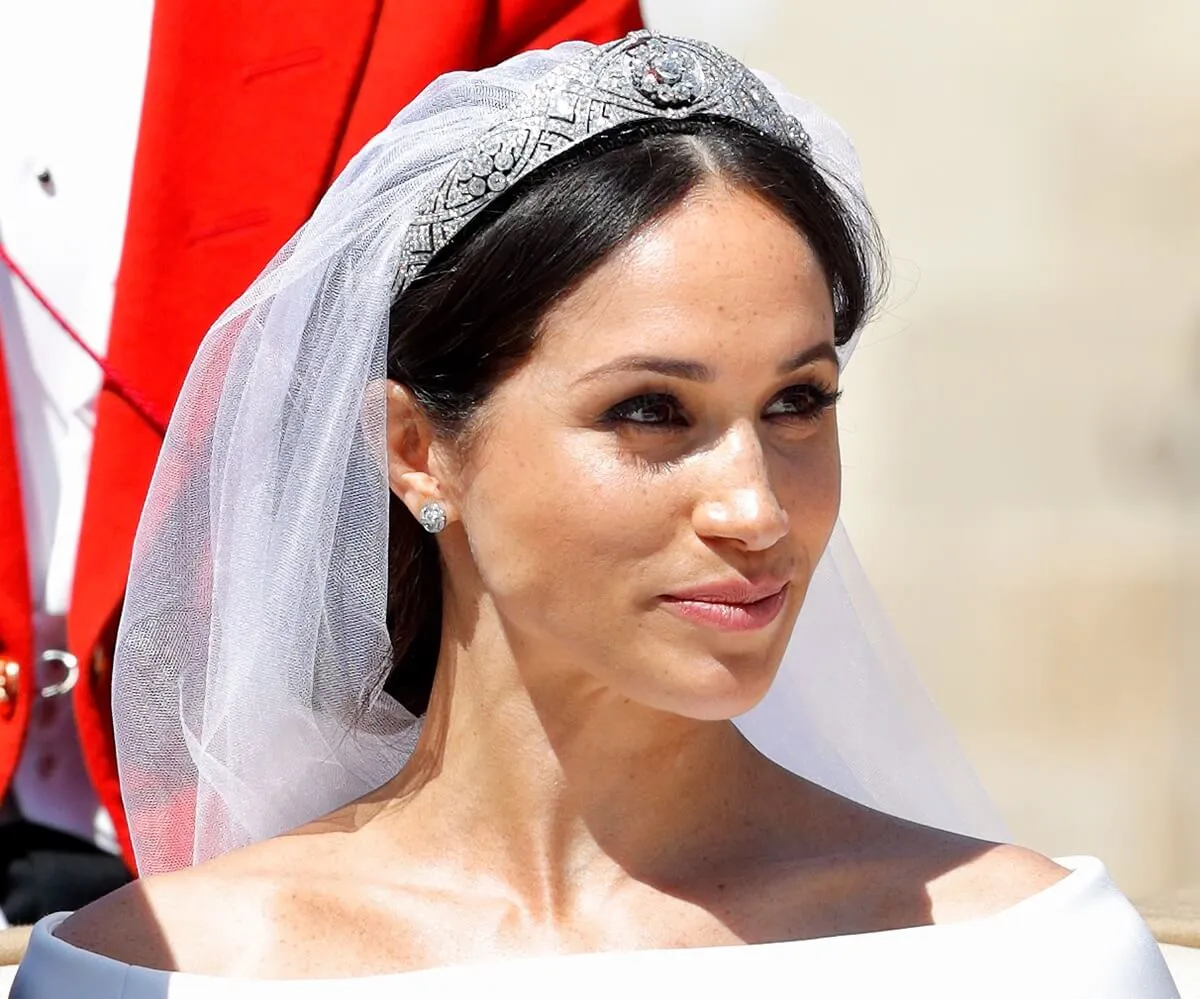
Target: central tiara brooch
667, 73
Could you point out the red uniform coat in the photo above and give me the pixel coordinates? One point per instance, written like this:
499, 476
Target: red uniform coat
251, 109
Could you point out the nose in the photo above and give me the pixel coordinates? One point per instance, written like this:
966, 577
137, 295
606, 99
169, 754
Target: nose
739, 503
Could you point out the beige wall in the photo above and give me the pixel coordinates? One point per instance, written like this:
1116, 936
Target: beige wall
1021, 427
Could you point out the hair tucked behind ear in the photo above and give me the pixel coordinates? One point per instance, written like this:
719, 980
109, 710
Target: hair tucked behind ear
476, 311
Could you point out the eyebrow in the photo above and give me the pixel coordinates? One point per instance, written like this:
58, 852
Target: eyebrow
694, 371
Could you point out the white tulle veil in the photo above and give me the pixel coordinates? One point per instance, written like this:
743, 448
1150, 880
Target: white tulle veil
246, 687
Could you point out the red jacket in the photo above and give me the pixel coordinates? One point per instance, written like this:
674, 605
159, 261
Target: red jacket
250, 111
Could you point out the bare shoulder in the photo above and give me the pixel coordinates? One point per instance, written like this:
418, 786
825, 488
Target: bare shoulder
948, 876
989, 878
863, 870
218, 918
962, 877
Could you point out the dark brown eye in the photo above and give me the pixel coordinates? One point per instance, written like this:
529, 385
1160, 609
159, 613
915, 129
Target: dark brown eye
806, 402
652, 410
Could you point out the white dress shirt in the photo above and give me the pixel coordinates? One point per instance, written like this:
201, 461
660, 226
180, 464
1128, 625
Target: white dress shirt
72, 76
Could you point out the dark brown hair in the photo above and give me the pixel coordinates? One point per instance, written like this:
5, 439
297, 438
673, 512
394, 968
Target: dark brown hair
475, 313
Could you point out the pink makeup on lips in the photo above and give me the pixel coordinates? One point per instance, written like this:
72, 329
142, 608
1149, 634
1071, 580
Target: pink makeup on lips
734, 606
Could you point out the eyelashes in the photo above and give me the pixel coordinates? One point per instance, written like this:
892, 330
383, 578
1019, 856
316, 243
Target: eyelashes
651, 409
797, 404
808, 402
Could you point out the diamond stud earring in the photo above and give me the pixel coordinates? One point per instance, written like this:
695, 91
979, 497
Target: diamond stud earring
433, 517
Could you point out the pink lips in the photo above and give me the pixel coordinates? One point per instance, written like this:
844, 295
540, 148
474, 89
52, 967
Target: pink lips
732, 606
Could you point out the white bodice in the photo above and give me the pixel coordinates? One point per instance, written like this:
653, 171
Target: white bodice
1078, 939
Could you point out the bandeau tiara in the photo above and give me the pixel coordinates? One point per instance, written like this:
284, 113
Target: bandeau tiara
644, 76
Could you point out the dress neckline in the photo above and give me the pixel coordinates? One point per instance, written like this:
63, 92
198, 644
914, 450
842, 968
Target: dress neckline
1086, 874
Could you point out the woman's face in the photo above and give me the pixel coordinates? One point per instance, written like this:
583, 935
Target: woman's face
651, 491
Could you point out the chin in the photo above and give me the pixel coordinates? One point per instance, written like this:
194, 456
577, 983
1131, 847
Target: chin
715, 690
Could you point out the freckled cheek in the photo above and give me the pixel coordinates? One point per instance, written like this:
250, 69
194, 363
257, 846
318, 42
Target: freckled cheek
555, 517
809, 488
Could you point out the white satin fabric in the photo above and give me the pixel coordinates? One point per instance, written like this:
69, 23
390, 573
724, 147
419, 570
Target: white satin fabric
1078, 939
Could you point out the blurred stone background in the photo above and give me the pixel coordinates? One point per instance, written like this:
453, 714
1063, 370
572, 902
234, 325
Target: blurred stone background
1021, 425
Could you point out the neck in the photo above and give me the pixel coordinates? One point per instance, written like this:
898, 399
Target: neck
553, 782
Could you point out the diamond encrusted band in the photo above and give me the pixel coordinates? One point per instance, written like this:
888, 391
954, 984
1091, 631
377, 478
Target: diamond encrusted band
640, 77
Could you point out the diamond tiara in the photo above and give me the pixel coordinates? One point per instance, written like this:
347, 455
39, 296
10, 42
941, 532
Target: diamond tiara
641, 77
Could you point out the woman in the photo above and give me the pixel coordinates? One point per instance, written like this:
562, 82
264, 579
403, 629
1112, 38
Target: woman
540, 408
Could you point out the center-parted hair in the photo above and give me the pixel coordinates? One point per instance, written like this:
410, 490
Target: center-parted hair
476, 312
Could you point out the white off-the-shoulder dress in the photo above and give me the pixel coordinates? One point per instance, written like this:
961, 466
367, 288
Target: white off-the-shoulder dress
1078, 939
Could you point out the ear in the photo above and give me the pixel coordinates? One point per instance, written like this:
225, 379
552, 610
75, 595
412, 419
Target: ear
411, 458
